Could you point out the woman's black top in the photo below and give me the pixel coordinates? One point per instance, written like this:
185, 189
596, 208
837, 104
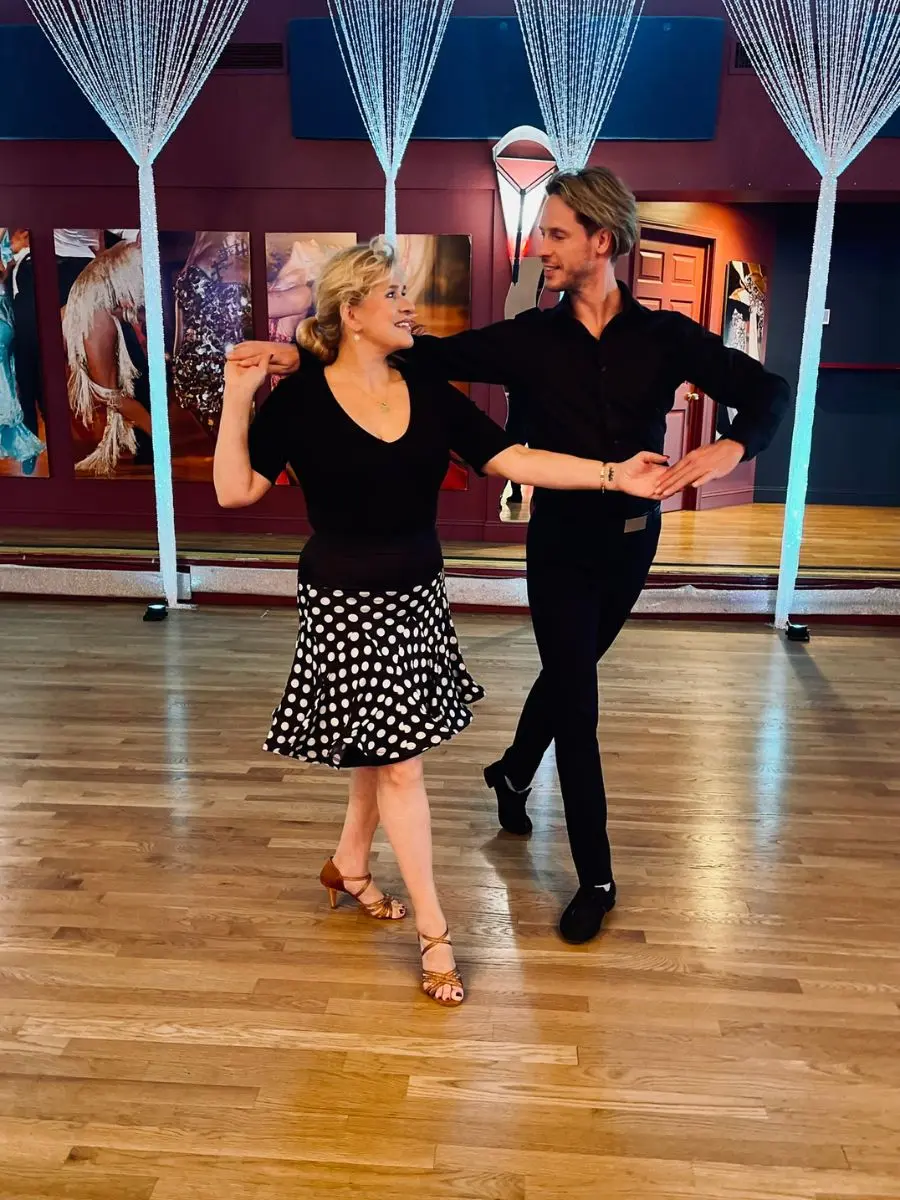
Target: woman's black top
372, 504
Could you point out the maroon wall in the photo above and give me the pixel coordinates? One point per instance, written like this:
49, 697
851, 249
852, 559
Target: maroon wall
234, 164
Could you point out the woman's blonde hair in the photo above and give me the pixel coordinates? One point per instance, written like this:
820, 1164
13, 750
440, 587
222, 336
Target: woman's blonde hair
348, 278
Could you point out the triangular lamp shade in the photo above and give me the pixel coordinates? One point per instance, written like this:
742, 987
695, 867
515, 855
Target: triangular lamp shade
522, 183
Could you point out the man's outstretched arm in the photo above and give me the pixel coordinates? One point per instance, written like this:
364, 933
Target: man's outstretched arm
493, 354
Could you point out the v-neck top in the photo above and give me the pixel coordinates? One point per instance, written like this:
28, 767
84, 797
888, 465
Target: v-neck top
372, 504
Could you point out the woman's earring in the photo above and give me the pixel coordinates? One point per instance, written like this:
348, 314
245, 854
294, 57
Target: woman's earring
356, 337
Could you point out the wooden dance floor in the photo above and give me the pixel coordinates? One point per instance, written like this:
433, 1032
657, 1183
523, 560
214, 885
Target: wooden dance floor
183, 1018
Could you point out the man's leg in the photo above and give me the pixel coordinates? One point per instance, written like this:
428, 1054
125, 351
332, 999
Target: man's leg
563, 593
511, 776
628, 558
534, 733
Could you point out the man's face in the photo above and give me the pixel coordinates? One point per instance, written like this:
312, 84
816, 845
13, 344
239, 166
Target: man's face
18, 240
570, 255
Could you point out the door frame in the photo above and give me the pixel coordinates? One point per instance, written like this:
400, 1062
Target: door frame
701, 426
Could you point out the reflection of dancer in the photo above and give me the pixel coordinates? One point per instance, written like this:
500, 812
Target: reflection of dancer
16, 439
106, 355
212, 314
378, 677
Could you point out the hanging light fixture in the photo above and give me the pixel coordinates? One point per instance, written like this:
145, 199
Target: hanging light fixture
141, 63
576, 51
389, 48
832, 70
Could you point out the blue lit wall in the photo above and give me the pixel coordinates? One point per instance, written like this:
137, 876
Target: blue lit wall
856, 436
481, 85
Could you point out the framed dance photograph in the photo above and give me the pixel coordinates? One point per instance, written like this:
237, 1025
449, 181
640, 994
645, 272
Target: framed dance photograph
745, 308
208, 309
438, 273
294, 263
101, 296
744, 319
23, 438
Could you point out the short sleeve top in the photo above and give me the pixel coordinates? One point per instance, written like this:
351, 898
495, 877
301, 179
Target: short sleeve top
361, 492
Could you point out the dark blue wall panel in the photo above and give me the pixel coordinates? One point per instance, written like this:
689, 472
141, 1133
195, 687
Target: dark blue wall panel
38, 98
481, 86
856, 437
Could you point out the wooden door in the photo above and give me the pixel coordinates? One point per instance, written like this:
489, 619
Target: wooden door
670, 273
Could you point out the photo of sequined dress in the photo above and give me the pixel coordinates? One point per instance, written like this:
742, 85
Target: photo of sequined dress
212, 313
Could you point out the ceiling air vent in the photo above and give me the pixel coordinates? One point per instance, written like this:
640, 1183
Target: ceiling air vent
252, 56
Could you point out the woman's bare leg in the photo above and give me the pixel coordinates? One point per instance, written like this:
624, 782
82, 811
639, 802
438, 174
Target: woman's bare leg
352, 855
405, 815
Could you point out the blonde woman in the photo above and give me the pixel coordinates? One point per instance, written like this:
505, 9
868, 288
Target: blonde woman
377, 678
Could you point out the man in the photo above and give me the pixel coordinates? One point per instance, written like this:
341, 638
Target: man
597, 375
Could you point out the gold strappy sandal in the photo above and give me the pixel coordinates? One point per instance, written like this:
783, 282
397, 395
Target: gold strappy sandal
433, 981
381, 910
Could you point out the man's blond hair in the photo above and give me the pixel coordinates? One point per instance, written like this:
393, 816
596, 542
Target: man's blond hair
600, 200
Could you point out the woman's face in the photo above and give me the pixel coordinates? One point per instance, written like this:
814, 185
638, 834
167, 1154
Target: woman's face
386, 318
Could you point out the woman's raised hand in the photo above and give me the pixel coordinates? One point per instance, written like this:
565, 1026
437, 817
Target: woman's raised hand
244, 377
283, 357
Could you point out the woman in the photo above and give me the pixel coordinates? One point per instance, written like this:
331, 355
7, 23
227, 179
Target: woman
378, 677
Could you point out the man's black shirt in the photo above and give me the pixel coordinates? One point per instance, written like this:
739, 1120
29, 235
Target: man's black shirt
607, 398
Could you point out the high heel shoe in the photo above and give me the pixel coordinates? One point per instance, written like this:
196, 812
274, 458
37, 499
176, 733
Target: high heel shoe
433, 981
385, 909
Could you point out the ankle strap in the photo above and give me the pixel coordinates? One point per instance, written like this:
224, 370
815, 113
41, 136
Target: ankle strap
430, 942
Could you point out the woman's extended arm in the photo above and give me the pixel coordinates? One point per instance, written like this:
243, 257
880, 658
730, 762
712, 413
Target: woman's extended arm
638, 476
237, 484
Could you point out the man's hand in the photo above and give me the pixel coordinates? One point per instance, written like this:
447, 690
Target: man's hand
283, 358
699, 467
640, 475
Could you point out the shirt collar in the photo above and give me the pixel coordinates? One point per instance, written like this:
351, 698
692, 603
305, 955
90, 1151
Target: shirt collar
630, 306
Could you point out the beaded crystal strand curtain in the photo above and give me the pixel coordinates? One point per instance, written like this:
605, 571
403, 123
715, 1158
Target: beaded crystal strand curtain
389, 48
832, 69
576, 51
141, 63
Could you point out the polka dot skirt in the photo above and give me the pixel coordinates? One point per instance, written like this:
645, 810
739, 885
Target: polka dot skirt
377, 678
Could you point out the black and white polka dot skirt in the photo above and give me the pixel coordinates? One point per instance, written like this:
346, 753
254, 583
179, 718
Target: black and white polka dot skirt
377, 678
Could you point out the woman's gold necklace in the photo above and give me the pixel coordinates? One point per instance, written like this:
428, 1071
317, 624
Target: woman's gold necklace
380, 403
